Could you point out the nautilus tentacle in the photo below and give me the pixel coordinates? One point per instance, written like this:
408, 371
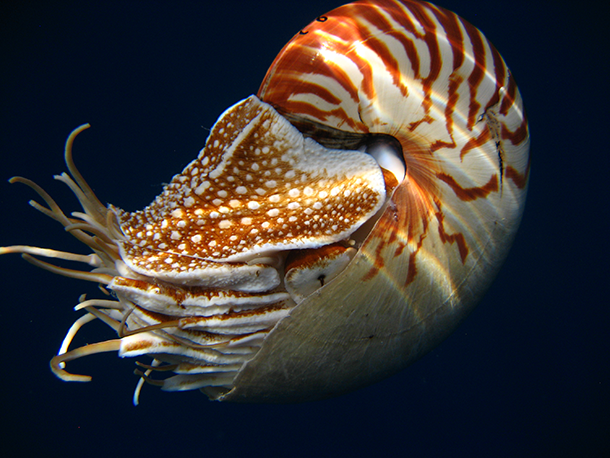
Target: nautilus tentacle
334, 228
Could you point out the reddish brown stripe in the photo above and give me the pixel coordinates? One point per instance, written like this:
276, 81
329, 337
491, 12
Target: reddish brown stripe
474, 143
351, 33
139, 345
452, 100
400, 247
450, 24
477, 74
155, 316
390, 62
519, 179
379, 45
500, 70
300, 259
399, 17
347, 26
295, 68
468, 194
509, 97
441, 144
436, 59
516, 137
427, 119
408, 214
457, 238
306, 109
232, 314
289, 85
412, 269
370, 274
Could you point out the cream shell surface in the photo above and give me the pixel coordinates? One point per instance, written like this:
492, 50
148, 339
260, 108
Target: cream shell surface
431, 80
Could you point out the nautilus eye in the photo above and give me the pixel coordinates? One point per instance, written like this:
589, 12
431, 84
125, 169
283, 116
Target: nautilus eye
335, 227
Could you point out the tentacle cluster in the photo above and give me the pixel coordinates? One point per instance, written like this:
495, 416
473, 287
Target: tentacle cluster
188, 291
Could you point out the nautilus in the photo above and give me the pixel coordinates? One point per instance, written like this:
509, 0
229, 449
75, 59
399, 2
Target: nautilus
335, 227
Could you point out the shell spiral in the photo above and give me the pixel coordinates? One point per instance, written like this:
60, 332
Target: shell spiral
333, 230
428, 78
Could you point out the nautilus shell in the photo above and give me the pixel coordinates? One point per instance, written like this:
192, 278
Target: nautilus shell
334, 228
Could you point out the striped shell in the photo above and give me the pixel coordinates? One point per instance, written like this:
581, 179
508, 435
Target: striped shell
432, 81
333, 229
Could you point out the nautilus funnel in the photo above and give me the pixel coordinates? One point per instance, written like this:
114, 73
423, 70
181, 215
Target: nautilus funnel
336, 226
